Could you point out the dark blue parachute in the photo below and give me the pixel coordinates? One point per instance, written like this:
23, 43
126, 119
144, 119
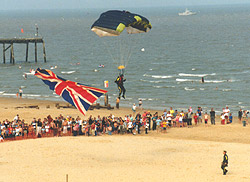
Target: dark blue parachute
113, 22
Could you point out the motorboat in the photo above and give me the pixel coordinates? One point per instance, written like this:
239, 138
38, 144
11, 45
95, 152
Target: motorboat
187, 12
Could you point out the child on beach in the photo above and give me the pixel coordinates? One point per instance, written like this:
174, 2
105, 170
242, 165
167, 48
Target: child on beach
206, 118
146, 128
1, 139
164, 126
230, 118
195, 119
222, 117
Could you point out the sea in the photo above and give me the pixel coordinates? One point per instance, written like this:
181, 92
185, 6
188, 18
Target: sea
164, 67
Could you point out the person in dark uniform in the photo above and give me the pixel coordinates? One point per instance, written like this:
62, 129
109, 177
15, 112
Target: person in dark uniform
224, 163
119, 81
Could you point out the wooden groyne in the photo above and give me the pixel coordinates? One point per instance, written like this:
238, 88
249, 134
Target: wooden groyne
9, 44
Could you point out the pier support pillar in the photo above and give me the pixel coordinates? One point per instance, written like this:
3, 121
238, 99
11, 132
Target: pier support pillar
27, 51
44, 53
4, 53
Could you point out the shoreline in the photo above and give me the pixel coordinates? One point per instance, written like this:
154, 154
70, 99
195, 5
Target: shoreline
19, 106
9, 108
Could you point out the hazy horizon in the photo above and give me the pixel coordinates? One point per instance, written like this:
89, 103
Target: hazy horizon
98, 4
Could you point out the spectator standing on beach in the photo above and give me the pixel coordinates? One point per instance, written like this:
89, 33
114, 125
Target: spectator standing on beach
16, 118
212, 116
149, 119
206, 118
169, 118
20, 92
226, 114
172, 112
140, 104
39, 128
230, 118
199, 111
134, 109
244, 118
240, 113
158, 123
189, 117
146, 127
154, 121
222, 117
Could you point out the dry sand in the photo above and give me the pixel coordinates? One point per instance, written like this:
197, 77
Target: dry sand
182, 154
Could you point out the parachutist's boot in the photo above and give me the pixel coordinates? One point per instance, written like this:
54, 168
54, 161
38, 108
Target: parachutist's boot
123, 96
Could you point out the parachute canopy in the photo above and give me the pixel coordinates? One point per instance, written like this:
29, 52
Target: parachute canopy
113, 22
121, 67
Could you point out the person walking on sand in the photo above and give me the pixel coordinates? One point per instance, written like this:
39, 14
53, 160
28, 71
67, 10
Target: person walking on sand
212, 116
206, 118
240, 113
140, 104
134, 109
244, 118
20, 92
224, 163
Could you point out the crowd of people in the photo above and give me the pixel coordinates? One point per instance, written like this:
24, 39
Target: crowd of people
129, 124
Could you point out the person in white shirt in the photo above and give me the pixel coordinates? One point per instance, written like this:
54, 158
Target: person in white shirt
16, 118
226, 114
130, 126
146, 128
169, 118
134, 108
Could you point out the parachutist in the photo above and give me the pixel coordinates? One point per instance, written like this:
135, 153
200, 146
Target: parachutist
119, 81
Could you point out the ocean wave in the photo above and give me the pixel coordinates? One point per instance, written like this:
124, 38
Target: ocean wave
67, 72
186, 80
164, 86
9, 94
2, 92
31, 95
150, 81
196, 75
215, 81
189, 89
206, 81
226, 90
158, 76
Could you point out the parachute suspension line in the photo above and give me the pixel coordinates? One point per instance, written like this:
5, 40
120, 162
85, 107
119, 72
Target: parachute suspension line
108, 49
121, 52
131, 48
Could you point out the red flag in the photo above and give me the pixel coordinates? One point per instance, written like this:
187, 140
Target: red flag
21, 30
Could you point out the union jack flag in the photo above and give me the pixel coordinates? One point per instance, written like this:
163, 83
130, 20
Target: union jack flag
79, 95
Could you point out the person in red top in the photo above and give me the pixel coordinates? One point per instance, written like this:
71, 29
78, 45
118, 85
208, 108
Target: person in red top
195, 119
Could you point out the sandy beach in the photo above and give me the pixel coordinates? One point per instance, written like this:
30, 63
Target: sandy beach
181, 154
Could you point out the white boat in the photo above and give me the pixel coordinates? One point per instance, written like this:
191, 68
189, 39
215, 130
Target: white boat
187, 12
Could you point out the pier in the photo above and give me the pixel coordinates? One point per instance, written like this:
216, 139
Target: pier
9, 44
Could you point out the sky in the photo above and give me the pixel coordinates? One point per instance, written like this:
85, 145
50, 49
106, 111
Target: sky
85, 4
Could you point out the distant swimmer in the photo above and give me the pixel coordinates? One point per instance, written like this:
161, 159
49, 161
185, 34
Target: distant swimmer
32, 71
25, 76
101, 66
53, 67
202, 80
